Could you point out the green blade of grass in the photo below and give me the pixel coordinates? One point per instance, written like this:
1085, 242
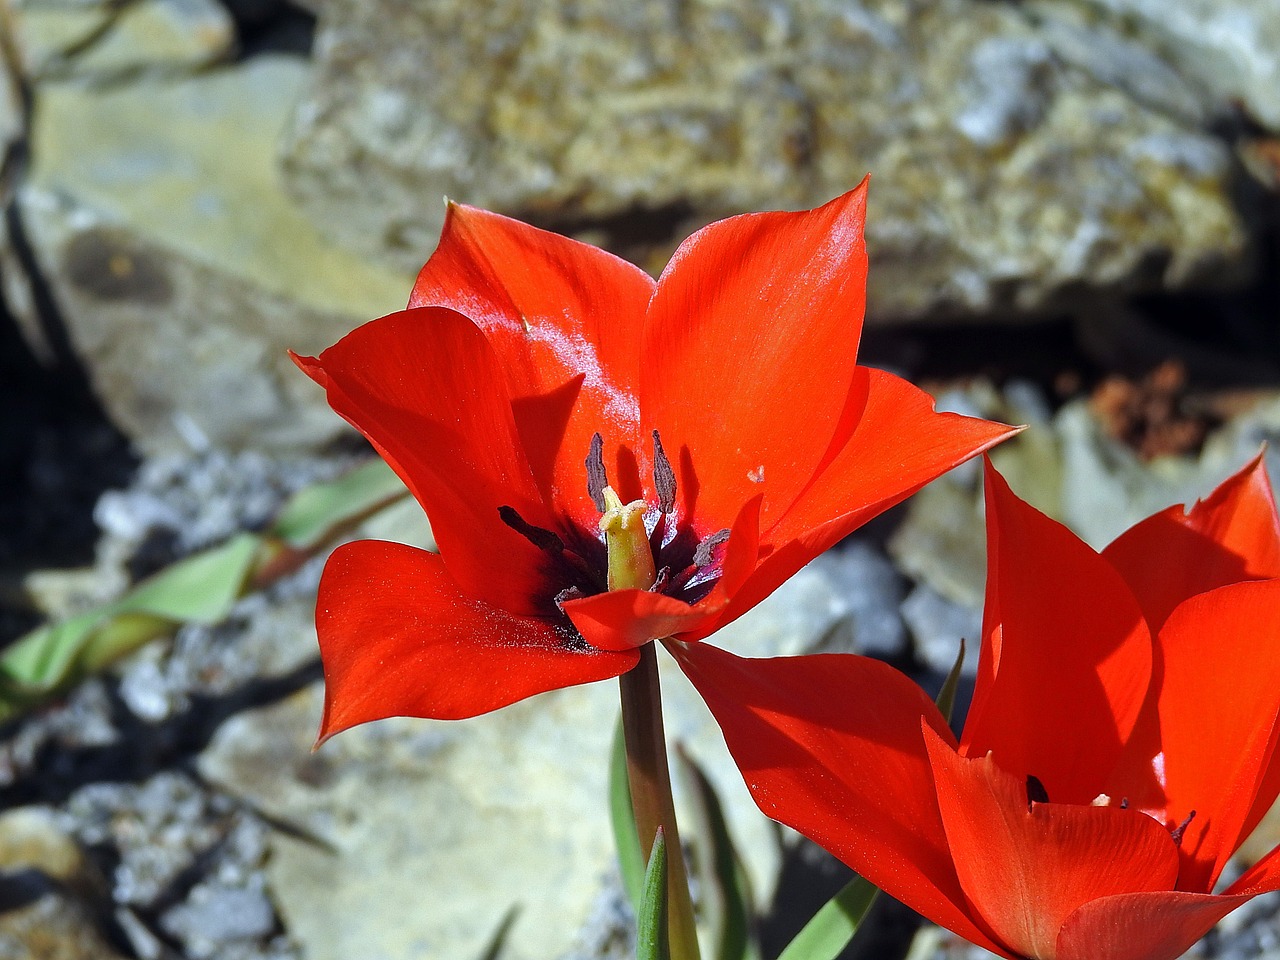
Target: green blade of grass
832, 927
630, 858
651, 918
726, 890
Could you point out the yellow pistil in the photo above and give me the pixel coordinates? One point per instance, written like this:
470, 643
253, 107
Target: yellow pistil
630, 559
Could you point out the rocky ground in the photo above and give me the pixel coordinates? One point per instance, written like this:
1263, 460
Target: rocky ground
1073, 224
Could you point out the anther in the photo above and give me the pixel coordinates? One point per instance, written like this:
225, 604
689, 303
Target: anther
1124, 803
1177, 832
703, 555
1036, 793
540, 538
597, 479
664, 478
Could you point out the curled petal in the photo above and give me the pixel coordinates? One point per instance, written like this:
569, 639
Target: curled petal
830, 745
1231, 536
777, 299
899, 444
566, 319
398, 638
429, 393
626, 619
1141, 926
1027, 866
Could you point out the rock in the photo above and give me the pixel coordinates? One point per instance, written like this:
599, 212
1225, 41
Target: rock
181, 270
49, 925
938, 625
469, 818
32, 839
157, 828
1088, 40
104, 43
1232, 50
214, 916
868, 592
47, 891
1005, 176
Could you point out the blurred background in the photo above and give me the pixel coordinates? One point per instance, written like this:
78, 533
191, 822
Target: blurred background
1073, 224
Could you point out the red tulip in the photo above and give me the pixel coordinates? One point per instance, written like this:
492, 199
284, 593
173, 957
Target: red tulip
717, 419
1120, 746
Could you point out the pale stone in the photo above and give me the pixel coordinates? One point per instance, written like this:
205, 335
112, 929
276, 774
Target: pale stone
1231, 49
1005, 178
108, 42
182, 270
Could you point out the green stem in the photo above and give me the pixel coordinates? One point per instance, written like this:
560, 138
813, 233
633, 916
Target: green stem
651, 792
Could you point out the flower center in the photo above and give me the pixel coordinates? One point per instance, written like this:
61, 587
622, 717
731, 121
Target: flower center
634, 546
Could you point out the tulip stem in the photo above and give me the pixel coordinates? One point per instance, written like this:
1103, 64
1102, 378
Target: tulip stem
650, 780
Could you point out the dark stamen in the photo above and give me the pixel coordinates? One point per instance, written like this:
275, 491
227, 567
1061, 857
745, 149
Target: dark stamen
664, 478
540, 538
1036, 793
1124, 803
702, 556
597, 479
1177, 832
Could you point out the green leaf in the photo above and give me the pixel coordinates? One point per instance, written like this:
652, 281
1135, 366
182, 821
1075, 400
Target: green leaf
832, 927
623, 818
726, 889
651, 918
200, 589
946, 700
36, 663
312, 514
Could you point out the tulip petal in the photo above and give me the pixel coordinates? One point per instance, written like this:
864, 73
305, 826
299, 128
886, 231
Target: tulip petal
1025, 866
1218, 707
626, 619
830, 745
430, 394
1066, 661
566, 318
1230, 536
1141, 926
774, 303
398, 638
899, 444
1262, 877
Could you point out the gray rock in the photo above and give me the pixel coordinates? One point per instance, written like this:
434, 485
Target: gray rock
1231, 50
50, 924
1005, 175
1088, 40
182, 271
158, 828
214, 916
468, 818
868, 592
105, 42
938, 625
